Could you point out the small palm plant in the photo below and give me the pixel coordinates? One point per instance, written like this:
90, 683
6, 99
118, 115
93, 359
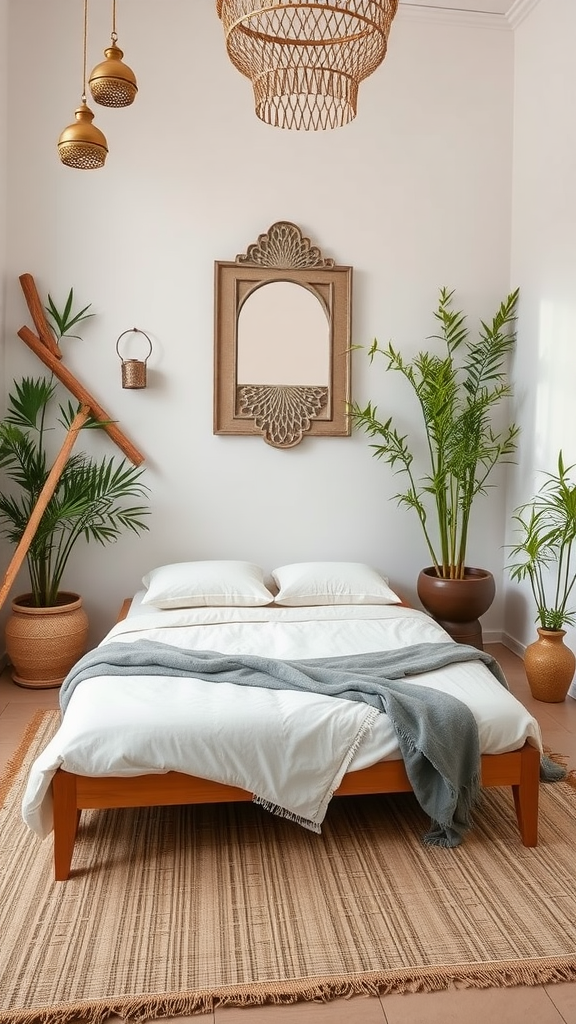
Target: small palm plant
547, 525
457, 391
89, 500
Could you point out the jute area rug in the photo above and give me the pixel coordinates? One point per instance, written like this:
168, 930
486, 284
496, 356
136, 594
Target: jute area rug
174, 911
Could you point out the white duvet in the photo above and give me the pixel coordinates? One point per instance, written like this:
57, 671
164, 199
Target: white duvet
289, 749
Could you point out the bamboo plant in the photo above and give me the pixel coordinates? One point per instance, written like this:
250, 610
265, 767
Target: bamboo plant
458, 390
545, 552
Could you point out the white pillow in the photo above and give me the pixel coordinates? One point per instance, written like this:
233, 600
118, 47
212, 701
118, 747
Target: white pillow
312, 583
216, 584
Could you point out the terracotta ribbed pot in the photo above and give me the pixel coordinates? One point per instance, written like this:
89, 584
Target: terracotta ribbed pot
549, 666
458, 604
44, 643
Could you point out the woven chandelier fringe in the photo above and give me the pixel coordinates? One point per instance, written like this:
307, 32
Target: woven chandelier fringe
306, 59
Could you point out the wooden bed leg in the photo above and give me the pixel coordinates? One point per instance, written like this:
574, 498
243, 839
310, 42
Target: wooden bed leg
526, 796
66, 818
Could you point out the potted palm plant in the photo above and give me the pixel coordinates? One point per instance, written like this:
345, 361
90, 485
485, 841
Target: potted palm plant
457, 386
544, 557
48, 629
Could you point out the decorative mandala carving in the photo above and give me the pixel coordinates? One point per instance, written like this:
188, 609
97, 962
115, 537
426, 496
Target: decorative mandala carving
284, 245
282, 414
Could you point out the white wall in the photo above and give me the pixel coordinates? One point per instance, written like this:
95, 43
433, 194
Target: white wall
544, 263
414, 194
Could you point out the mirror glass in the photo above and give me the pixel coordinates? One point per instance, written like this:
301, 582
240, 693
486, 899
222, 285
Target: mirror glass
283, 337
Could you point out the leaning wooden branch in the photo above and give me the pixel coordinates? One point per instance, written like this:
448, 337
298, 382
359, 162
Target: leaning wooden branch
79, 391
43, 499
36, 308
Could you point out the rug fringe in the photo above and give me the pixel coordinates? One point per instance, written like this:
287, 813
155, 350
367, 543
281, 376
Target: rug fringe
137, 1009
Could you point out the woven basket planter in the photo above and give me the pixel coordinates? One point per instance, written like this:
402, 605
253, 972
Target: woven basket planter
44, 643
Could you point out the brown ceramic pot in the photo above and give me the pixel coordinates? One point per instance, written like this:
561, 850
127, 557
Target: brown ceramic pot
458, 604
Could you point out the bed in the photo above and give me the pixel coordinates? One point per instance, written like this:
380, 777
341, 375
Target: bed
144, 738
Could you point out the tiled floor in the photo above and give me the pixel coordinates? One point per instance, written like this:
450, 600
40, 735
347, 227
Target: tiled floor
550, 1004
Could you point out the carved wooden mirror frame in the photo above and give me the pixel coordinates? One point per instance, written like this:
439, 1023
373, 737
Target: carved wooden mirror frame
282, 414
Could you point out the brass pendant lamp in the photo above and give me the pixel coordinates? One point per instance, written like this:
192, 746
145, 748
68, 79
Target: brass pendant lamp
82, 145
306, 58
112, 83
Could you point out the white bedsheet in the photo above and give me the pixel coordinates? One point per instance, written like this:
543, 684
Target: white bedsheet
276, 744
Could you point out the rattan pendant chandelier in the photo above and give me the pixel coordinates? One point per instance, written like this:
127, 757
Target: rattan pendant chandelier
306, 59
82, 145
112, 83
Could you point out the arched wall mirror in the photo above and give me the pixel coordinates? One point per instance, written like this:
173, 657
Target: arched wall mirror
282, 341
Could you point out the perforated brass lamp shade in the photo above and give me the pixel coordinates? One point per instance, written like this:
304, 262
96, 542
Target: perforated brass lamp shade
112, 83
306, 59
82, 145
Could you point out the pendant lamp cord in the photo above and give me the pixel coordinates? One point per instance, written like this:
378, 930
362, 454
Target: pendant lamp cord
114, 35
84, 53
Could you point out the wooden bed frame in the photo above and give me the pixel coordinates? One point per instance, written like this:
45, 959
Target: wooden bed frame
72, 794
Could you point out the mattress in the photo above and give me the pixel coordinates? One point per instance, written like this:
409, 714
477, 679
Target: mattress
290, 749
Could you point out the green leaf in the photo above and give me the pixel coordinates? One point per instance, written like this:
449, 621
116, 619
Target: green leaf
64, 320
